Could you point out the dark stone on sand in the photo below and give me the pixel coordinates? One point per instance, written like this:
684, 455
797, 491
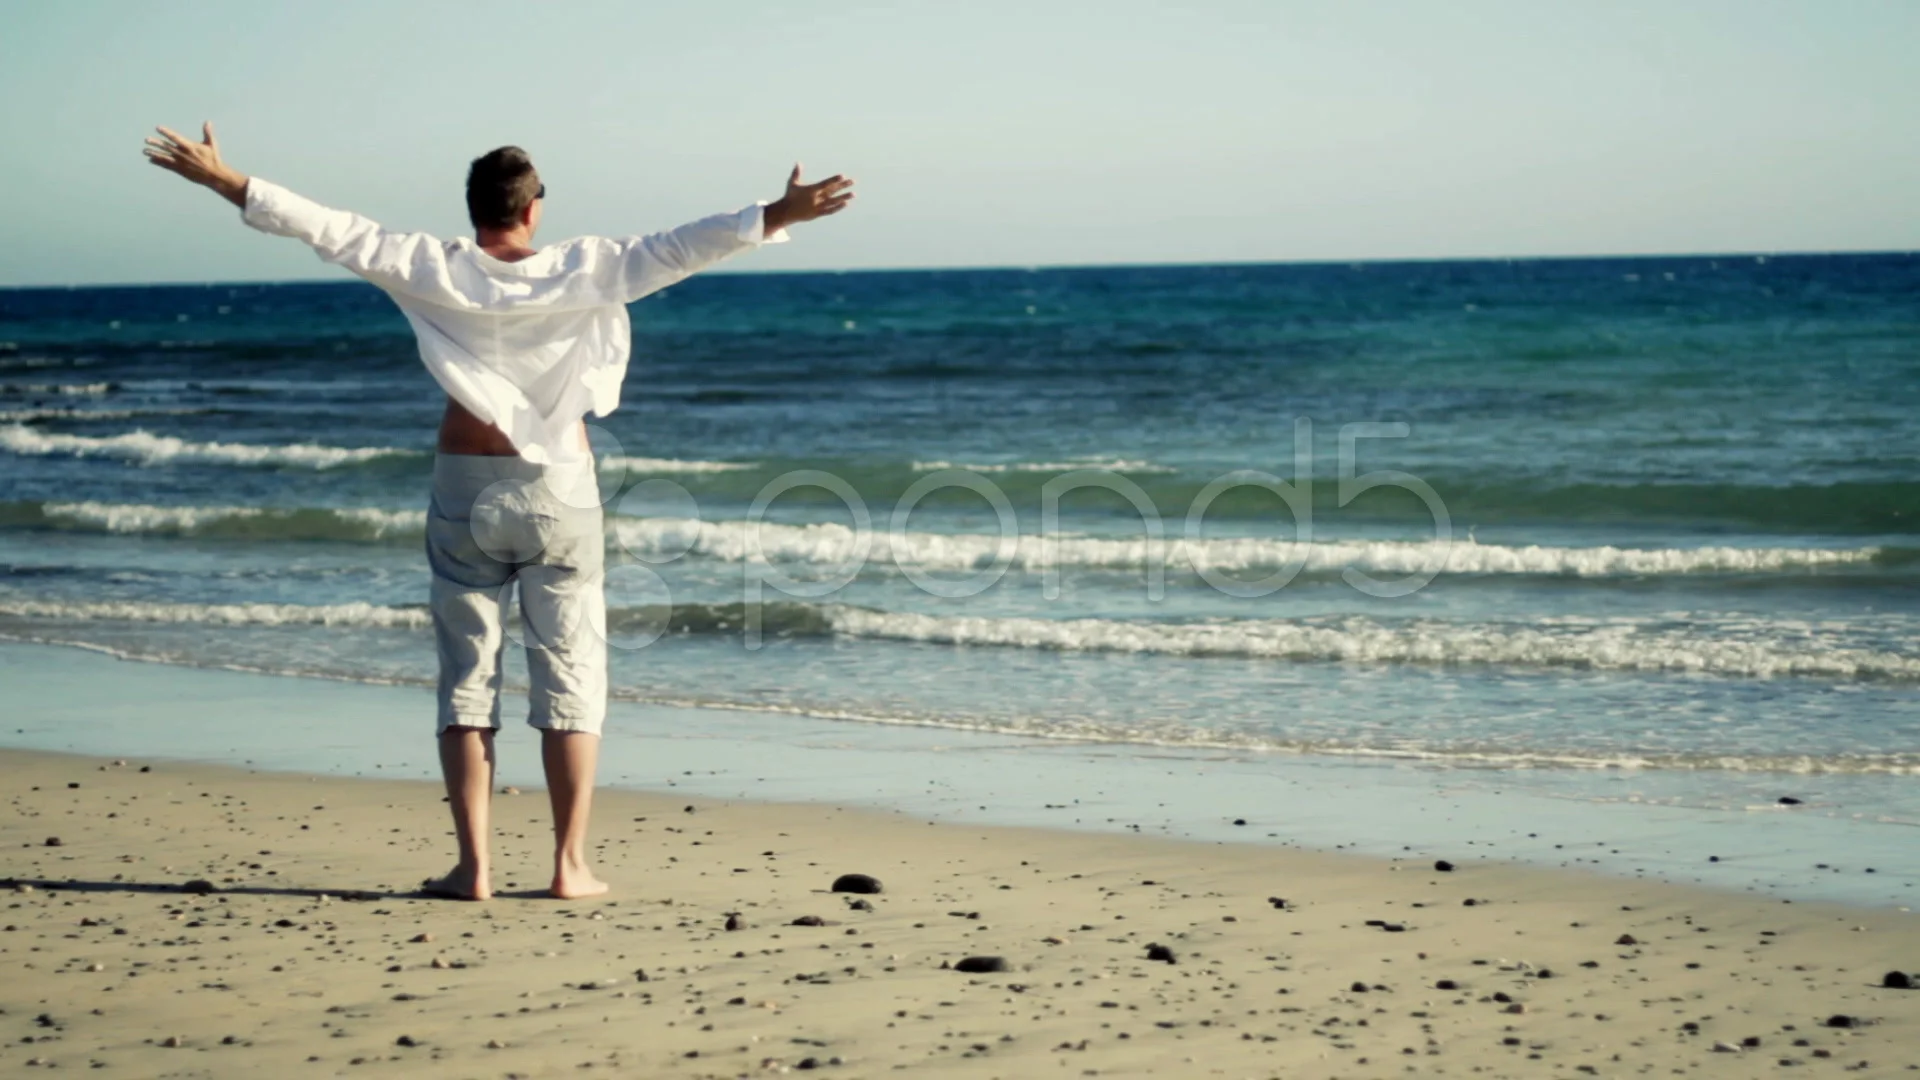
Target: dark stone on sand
1626, 939
73, 784
146, 768
1446, 984
199, 887
808, 1063
1443, 866
981, 965
1358, 988
1788, 800
1239, 821
1713, 858
857, 883
639, 974
1842, 1020
1469, 902
859, 905
734, 922
1750, 1041
53, 841
405, 1040
1162, 954
813, 920
1277, 902
1897, 980
1543, 973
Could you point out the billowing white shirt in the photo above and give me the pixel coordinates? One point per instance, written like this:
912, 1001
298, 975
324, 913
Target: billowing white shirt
532, 346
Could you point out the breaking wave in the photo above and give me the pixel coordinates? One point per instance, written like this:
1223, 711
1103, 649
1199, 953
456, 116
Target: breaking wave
145, 448
834, 545
1623, 645
238, 522
645, 465
357, 614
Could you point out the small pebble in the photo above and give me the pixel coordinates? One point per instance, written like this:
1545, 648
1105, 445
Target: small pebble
856, 883
981, 965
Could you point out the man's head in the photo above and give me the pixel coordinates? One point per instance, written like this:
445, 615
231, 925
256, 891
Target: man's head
504, 191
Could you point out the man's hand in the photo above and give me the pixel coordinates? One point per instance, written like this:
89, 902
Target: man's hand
200, 162
805, 202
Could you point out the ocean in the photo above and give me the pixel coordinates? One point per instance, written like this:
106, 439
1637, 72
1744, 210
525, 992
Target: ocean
1610, 529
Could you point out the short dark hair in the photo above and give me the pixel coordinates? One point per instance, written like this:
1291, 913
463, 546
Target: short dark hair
501, 184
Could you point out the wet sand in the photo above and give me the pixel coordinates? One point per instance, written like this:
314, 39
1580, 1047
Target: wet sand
181, 920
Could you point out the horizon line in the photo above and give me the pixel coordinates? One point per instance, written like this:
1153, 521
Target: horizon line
1399, 260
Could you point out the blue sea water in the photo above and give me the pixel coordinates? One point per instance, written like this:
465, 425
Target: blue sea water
1532, 521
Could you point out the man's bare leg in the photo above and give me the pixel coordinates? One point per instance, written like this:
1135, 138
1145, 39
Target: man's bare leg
570, 758
466, 760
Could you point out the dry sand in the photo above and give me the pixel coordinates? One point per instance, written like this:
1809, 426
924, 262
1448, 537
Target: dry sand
309, 957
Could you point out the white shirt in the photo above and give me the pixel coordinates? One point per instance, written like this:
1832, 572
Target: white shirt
533, 346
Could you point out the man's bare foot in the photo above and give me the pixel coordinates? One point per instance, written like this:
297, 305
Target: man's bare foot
575, 880
460, 884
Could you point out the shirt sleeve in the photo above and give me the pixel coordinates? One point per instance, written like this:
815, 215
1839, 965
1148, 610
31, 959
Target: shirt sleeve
651, 263
391, 260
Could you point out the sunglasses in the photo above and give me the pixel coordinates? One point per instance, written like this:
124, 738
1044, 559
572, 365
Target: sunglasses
542, 193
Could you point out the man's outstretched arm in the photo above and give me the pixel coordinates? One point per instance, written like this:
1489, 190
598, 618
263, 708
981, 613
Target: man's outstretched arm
647, 264
398, 262
199, 162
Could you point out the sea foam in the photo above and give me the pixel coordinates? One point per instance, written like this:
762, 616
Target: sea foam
831, 544
145, 448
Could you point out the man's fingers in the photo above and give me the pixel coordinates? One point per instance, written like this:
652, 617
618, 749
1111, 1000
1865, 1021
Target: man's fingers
173, 136
206, 133
793, 178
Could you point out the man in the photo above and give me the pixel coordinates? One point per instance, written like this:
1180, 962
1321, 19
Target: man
526, 343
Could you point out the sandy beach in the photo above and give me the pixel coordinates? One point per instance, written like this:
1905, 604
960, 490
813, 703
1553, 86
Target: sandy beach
180, 920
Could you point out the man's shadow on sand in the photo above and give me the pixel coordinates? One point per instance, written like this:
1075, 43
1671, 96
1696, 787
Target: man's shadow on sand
206, 888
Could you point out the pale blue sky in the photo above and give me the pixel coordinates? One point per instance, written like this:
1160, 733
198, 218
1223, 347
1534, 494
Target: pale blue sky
982, 133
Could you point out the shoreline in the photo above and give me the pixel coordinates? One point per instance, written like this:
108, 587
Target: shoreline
304, 950
74, 700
